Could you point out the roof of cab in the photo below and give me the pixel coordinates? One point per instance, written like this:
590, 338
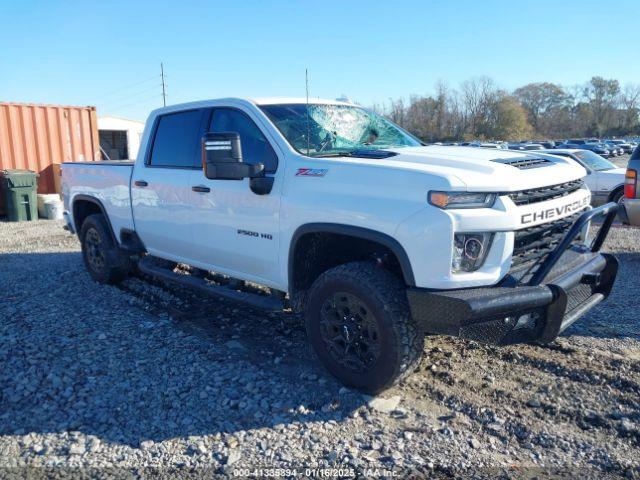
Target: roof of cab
295, 100
255, 101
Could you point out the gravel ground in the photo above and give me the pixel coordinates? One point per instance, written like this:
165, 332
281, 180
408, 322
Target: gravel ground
147, 376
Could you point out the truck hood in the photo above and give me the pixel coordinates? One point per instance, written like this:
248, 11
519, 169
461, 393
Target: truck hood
480, 169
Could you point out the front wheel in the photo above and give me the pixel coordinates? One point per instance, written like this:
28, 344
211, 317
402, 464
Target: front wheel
359, 325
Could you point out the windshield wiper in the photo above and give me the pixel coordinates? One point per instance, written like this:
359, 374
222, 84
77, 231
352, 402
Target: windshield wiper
334, 154
360, 153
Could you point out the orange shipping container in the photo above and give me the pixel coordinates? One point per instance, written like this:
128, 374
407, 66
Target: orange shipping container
36, 137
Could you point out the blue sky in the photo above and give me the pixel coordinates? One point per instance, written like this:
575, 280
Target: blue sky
108, 53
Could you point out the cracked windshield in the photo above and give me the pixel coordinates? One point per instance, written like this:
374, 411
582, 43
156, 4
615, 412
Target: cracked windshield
324, 130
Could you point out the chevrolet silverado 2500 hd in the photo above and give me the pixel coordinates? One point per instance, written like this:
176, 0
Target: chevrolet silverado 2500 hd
334, 211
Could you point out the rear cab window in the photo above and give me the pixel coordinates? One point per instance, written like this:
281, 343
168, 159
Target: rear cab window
176, 140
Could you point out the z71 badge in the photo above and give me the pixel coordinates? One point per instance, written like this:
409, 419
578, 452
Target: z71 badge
311, 172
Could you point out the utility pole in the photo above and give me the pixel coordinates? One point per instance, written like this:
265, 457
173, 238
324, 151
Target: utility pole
306, 86
164, 94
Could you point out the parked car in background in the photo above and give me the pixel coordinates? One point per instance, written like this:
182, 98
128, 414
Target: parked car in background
631, 190
525, 146
614, 150
620, 144
544, 143
604, 179
583, 144
487, 145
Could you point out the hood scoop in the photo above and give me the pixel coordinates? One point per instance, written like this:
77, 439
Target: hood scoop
524, 163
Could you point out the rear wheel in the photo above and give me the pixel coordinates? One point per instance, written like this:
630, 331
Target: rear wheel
102, 258
359, 325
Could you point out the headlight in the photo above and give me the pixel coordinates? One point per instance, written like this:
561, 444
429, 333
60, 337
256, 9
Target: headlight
461, 199
469, 251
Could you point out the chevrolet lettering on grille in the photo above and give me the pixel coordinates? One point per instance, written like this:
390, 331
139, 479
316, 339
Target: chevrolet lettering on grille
555, 212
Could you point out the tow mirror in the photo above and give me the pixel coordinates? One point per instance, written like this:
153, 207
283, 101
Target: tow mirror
222, 158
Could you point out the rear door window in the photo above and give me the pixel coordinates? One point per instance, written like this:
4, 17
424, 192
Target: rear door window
255, 146
176, 140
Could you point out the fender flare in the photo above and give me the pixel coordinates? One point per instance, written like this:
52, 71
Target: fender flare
357, 232
95, 201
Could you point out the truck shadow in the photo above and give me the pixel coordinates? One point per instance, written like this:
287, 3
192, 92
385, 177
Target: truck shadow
145, 362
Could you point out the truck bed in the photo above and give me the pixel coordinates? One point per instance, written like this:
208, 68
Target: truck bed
108, 182
120, 163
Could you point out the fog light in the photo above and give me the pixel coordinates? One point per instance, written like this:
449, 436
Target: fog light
469, 251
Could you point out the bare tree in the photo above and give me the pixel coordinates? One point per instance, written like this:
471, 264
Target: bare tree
542, 102
602, 95
630, 106
479, 109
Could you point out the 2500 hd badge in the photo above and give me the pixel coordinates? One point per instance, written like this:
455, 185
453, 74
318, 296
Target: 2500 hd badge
549, 213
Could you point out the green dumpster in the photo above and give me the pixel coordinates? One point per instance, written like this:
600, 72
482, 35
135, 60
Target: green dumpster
18, 189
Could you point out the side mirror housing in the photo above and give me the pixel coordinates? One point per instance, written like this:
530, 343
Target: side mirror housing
222, 158
261, 185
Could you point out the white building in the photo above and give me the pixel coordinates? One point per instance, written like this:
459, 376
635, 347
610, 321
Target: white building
119, 137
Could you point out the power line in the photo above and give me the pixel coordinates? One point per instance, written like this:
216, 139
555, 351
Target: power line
120, 107
124, 98
131, 85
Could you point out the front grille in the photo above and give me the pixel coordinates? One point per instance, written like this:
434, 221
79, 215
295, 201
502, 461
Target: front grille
532, 245
535, 195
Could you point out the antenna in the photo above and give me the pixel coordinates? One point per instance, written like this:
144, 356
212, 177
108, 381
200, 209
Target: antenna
306, 81
164, 94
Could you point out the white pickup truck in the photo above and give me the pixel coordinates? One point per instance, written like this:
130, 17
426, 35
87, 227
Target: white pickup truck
336, 212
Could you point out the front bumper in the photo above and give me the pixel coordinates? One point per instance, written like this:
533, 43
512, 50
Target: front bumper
566, 285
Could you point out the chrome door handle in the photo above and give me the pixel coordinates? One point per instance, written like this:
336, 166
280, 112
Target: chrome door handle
201, 189
140, 183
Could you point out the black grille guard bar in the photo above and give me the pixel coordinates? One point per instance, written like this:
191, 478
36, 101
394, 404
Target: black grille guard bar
609, 212
537, 311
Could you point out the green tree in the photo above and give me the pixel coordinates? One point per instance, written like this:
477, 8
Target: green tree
511, 121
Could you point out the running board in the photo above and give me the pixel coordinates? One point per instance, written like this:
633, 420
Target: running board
270, 303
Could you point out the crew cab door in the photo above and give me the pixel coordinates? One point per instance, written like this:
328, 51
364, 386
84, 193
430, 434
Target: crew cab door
161, 184
236, 231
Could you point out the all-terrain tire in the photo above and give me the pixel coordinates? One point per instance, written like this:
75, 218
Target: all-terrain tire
102, 258
401, 341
